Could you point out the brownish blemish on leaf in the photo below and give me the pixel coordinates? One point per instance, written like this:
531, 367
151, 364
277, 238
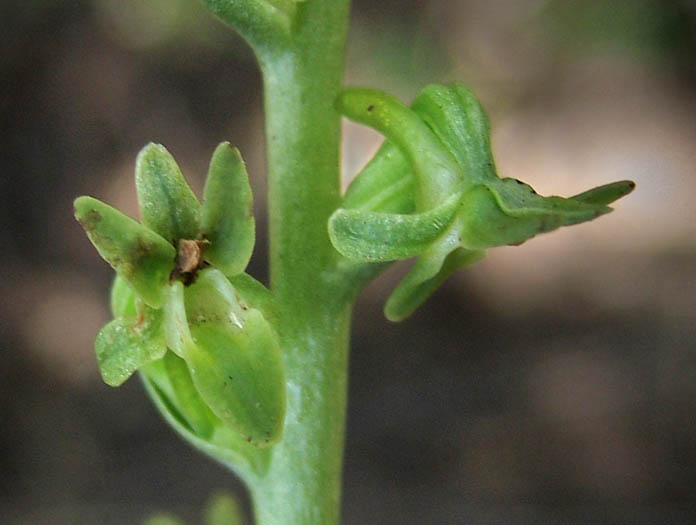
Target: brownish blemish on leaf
370, 107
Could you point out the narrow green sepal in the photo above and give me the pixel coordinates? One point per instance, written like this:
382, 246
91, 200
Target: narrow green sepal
127, 343
235, 363
167, 204
143, 258
375, 236
227, 219
606, 194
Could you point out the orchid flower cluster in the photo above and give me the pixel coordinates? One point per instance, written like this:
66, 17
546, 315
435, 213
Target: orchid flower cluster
203, 332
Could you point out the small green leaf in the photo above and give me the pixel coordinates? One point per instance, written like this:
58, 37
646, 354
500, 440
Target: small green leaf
167, 204
127, 343
228, 221
374, 236
235, 362
139, 255
223, 509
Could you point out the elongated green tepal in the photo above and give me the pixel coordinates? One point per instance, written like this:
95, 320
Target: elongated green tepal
167, 204
143, 258
228, 221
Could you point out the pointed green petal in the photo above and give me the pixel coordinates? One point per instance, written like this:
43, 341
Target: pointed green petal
235, 362
127, 343
606, 194
139, 255
457, 118
375, 236
228, 221
167, 204
518, 199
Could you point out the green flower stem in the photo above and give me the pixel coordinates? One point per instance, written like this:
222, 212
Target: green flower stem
302, 81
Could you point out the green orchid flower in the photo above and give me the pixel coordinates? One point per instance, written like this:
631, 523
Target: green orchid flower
432, 192
185, 313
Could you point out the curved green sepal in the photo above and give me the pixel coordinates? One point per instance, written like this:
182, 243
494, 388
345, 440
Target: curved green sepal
128, 343
437, 171
375, 236
167, 204
425, 277
227, 220
143, 258
606, 194
235, 363
122, 298
457, 118
223, 509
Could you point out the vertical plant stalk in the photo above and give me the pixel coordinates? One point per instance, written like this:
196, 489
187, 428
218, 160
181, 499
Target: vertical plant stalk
302, 81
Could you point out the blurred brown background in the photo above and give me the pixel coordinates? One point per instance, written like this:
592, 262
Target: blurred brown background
552, 383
